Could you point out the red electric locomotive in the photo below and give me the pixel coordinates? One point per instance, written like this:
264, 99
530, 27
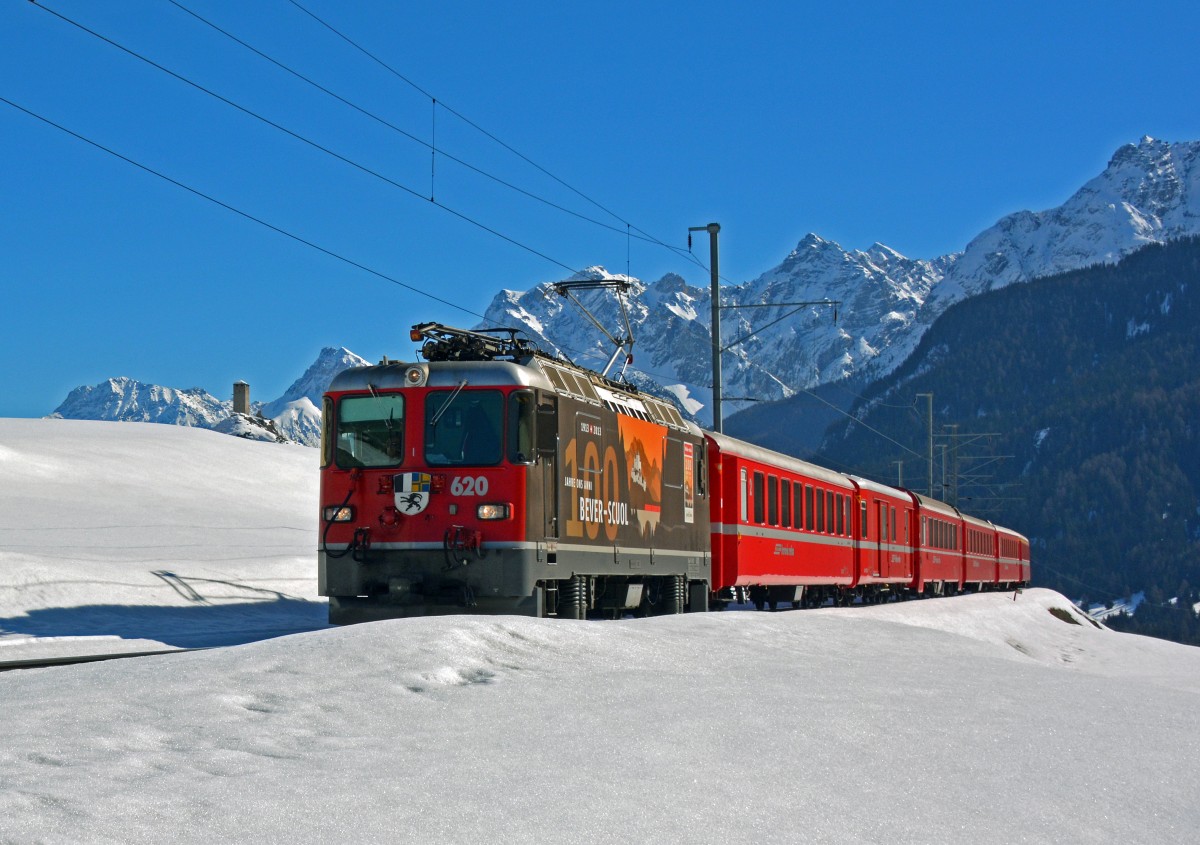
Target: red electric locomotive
494, 478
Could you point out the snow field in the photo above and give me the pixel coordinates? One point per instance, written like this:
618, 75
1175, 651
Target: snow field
978, 718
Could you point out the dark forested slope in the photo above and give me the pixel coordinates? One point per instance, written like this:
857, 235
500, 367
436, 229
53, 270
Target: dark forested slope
1090, 382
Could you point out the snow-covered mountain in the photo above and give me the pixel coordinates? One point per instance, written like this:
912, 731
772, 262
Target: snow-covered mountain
135, 401
295, 416
1150, 192
297, 413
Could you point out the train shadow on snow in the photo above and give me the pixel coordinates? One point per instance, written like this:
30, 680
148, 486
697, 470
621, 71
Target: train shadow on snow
212, 623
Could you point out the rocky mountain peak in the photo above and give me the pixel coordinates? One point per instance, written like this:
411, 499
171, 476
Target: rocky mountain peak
311, 385
1147, 194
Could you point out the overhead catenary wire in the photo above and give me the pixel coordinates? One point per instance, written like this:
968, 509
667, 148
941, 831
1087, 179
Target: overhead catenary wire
337, 256
686, 253
629, 227
310, 142
642, 234
431, 145
238, 211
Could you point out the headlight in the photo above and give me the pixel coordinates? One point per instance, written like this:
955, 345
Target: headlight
492, 511
414, 377
333, 513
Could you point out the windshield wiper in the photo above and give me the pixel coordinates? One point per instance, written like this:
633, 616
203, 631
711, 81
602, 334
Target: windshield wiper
390, 420
446, 405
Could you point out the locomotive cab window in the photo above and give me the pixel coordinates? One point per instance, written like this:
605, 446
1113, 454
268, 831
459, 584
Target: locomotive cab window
370, 431
326, 432
522, 414
464, 428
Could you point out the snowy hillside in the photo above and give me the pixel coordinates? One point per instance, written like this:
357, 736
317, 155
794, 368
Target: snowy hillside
1150, 192
296, 415
139, 532
987, 719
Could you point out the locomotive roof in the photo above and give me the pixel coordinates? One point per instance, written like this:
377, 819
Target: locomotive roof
390, 375
535, 371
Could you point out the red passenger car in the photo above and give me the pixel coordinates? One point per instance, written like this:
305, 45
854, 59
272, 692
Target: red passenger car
885, 540
1013, 554
782, 529
979, 554
939, 554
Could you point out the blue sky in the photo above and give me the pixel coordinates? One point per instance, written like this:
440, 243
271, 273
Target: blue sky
915, 125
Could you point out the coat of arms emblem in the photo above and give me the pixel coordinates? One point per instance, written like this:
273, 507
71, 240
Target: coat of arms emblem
412, 492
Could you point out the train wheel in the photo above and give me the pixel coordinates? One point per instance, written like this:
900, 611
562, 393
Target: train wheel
572, 598
675, 600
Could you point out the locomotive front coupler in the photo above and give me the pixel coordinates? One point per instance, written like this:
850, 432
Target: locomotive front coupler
458, 542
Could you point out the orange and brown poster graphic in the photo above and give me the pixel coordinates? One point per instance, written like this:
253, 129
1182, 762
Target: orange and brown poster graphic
644, 445
689, 485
